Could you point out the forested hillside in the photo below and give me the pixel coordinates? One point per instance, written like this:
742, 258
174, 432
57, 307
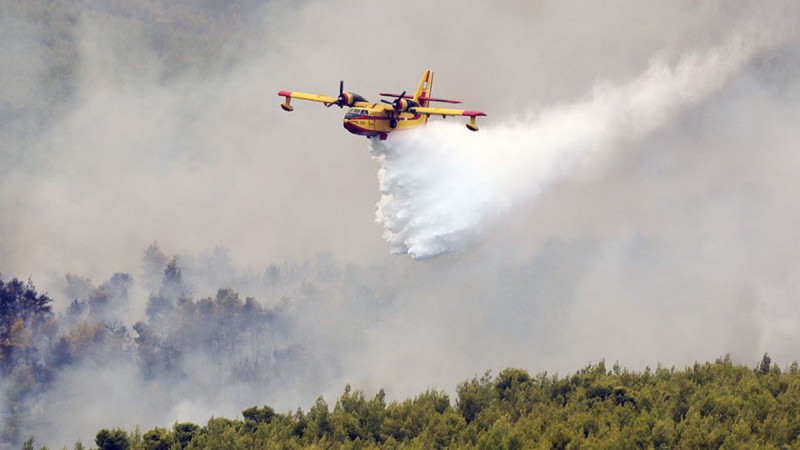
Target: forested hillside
240, 342
183, 347
711, 405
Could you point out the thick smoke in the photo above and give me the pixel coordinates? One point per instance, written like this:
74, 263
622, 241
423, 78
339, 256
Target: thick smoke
191, 355
439, 185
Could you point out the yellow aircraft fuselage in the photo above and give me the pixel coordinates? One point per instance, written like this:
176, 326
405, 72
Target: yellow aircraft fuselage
377, 120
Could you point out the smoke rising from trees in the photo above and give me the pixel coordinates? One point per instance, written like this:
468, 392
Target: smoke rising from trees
187, 356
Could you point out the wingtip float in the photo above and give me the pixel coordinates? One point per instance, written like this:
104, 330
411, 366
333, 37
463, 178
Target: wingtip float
368, 119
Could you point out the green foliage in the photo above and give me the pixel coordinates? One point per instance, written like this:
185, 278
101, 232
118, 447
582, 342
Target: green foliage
183, 433
318, 421
474, 396
157, 439
712, 405
765, 365
510, 382
253, 417
116, 439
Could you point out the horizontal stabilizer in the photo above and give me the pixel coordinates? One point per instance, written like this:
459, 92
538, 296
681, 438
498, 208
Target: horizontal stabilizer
432, 99
388, 94
422, 98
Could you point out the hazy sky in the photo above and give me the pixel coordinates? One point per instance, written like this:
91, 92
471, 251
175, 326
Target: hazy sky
674, 242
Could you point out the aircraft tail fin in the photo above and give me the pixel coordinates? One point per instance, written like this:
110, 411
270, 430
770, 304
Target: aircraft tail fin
423, 95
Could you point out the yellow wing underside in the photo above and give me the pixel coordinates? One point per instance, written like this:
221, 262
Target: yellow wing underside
313, 97
450, 112
438, 111
319, 98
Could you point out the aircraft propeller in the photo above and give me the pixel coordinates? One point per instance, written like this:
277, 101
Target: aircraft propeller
397, 103
401, 103
341, 100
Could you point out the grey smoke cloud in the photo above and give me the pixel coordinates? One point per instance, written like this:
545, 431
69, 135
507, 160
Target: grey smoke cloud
672, 245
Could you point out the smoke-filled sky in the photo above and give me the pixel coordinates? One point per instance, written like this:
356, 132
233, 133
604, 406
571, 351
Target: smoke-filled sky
631, 195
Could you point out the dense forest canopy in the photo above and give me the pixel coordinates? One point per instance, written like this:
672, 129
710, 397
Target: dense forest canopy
711, 405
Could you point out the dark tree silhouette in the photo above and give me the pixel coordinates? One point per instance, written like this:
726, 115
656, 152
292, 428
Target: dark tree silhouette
112, 440
20, 308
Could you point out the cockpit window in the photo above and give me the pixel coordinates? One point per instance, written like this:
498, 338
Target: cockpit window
356, 112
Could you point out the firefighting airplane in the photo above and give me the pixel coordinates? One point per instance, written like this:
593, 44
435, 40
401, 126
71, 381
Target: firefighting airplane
379, 119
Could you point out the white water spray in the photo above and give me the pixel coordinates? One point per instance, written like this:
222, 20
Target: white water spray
440, 183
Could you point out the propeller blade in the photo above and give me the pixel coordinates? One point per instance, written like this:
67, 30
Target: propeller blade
398, 100
387, 102
340, 100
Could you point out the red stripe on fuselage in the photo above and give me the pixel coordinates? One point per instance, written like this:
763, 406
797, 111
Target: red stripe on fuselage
355, 129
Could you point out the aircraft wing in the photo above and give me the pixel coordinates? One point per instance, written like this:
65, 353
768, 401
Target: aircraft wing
444, 112
350, 99
311, 97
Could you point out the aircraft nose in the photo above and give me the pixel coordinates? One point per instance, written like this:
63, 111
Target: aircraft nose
350, 126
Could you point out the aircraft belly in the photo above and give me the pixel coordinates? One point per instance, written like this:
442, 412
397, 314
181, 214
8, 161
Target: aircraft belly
363, 127
373, 125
